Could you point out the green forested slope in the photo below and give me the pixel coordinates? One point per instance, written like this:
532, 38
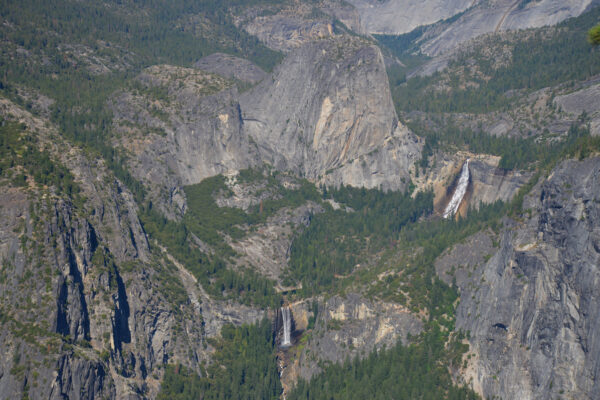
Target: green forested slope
150, 30
20, 157
418, 371
244, 367
337, 240
515, 153
495, 75
540, 58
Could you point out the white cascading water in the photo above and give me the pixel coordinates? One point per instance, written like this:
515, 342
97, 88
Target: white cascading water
287, 326
459, 193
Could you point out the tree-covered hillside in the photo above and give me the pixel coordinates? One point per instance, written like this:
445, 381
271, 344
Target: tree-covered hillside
419, 371
484, 76
244, 368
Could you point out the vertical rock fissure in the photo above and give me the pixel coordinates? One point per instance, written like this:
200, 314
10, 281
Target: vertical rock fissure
121, 331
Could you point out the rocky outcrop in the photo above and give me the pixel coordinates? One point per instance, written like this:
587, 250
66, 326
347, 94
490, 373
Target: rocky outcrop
88, 309
231, 67
267, 248
530, 306
287, 32
181, 127
345, 12
346, 327
81, 379
51, 259
327, 115
491, 184
457, 264
287, 27
110, 207
581, 101
487, 182
214, 313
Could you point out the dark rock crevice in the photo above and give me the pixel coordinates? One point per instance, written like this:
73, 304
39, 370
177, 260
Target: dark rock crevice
121, 332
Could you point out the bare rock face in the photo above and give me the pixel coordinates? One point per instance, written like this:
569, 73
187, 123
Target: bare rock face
345, 13
288, 28
182, 126
496, 15
401, 16
284, 33
80, 378
385, 168
51, 249
584, 100
534, 14
328, 107
325, 114
231, 67
471, 18
491, 183
460, 261
202, 124
533, 305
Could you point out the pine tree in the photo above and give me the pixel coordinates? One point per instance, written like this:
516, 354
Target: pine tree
594, 35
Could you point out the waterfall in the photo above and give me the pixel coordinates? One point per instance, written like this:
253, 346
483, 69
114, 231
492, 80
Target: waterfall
459, 193
287, 326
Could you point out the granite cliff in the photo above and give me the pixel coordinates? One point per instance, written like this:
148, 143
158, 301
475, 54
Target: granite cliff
529, 306
327, 114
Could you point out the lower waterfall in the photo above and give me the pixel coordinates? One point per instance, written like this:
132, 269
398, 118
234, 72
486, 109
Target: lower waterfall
287, 326
459, 193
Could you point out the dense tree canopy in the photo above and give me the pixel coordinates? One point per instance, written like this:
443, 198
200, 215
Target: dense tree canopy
244, 367
418, 371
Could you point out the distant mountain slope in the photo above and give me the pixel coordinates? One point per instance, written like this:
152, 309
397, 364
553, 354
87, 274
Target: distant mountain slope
453, 22
494, 16
402, 16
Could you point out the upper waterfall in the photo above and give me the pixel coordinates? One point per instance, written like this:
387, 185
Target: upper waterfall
459, 193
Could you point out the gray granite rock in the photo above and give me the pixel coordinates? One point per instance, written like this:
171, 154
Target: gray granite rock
327, 115
231, 67
531, 308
